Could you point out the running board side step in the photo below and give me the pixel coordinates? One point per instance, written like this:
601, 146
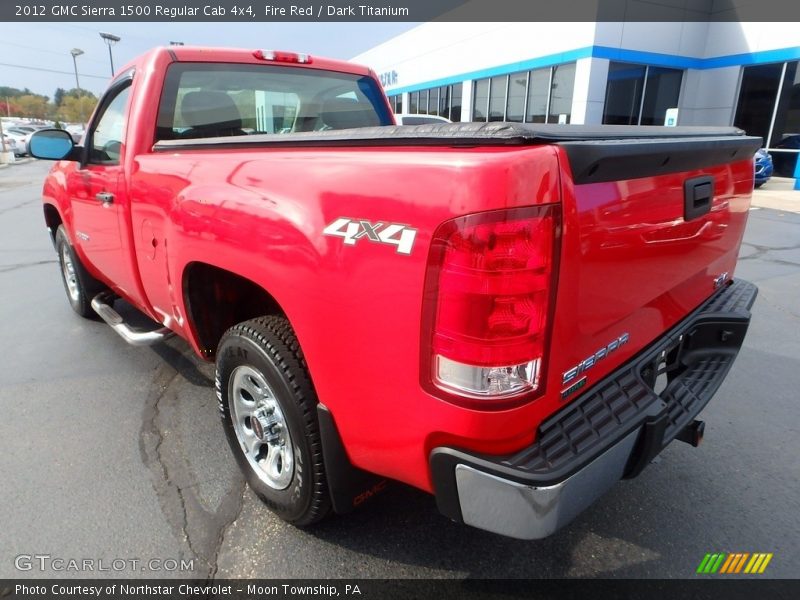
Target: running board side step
102, 306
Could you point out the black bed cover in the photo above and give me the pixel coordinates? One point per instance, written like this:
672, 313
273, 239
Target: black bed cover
596, 152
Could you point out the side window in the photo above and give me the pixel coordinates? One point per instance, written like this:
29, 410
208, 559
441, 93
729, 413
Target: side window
106, 139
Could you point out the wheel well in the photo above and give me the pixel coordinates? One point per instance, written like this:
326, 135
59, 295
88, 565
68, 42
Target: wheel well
52, 219
217, 299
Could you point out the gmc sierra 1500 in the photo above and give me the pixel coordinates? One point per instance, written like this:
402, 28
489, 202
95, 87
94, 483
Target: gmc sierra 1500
509, 316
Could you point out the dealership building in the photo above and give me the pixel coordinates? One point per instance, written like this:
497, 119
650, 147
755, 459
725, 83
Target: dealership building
632, 73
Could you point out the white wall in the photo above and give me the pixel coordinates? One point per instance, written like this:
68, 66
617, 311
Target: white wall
434, 51
709, 96
589, 94
677, 39
738, 38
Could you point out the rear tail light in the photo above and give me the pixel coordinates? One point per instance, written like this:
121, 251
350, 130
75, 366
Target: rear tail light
488, 295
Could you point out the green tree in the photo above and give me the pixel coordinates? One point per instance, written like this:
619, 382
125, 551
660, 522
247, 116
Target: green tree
76, 110
58, 96
12, 92
80, 93
33, 106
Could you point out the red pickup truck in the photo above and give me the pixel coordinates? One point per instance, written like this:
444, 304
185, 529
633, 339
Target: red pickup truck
509, 316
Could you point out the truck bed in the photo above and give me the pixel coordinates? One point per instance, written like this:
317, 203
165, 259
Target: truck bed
631, 262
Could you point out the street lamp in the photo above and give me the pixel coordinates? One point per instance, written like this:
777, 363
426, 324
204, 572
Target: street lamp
76, 52
110, 40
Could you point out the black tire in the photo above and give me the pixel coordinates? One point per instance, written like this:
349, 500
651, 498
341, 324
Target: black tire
81, 287
269, 346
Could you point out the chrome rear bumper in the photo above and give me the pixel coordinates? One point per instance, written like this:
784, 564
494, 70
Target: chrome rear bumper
612, 431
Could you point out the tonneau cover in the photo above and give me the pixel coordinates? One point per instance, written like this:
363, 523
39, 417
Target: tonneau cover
596, 153
462, 134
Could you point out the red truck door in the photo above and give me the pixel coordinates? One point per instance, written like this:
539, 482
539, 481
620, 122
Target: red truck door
97, 190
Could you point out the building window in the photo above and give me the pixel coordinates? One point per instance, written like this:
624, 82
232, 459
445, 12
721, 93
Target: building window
561, 93
498, 87
538, 96
444, 101
396, 103
640, 94
517, 90
413, 102
769, 107
480, 100
455, 102
423, 102
757, 94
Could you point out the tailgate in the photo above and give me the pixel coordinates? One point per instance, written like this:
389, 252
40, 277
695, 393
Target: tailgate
652, 228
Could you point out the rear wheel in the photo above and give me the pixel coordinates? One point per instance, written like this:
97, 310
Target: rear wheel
269, 411
79, 285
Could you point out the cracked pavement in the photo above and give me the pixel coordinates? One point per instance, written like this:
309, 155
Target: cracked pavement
111, 451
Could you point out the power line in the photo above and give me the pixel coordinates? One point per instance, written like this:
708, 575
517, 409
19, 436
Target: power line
51, 70
4, 43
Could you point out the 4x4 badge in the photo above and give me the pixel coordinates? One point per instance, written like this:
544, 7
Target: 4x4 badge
353, 230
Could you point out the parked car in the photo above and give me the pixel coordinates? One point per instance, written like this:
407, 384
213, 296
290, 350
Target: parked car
76, 131
12, 145
763, 167
511, 317
411, 119
22, 138
28, 128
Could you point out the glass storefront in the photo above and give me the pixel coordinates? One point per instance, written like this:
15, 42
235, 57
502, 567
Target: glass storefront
640, 94
769, 107
444, 101
538, 96
397, 103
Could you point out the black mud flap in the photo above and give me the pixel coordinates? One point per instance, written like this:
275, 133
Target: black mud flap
349, 486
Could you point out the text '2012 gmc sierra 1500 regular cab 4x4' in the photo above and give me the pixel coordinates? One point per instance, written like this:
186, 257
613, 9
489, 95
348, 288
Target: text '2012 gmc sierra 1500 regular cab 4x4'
509, 316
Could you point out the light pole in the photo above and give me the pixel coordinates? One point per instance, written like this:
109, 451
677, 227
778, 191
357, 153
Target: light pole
110, 40
76, 52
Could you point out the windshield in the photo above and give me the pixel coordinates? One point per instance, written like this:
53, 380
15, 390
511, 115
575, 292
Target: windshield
202, 100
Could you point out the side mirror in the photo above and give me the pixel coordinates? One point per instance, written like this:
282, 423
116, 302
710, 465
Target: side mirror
51, 144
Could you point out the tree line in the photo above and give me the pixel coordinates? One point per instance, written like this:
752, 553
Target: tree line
68, 106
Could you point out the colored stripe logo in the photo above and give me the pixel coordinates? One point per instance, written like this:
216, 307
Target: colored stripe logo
734, 562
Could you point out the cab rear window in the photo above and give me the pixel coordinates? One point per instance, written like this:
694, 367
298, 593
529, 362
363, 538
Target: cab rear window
203, 100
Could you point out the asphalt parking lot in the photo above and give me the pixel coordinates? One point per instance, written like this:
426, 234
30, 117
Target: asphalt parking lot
115, 452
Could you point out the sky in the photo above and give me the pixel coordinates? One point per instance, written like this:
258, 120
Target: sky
37, 55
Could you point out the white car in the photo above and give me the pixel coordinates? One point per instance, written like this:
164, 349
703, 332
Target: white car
12, 145
76, 131
22, 137
411, 119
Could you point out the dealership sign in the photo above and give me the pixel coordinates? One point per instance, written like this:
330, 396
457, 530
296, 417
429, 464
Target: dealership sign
388, 78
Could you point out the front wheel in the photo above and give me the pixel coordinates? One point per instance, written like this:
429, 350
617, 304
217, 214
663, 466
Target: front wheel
79, 285
269, 412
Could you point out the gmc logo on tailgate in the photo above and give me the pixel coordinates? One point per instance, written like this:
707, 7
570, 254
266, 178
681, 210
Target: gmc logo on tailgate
353, 230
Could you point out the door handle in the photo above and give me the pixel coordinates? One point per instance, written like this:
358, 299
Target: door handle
104, 197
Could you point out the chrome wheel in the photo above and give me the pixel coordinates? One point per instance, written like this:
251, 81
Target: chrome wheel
261, 427
68, 270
